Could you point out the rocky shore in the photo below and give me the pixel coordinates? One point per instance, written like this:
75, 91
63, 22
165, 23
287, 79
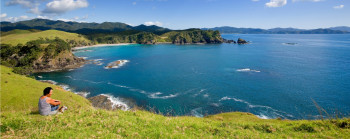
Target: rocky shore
65, 60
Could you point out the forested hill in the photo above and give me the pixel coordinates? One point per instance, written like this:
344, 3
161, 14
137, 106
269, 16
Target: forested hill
234, 30
76, 27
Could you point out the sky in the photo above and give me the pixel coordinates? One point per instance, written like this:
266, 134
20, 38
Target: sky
184, 14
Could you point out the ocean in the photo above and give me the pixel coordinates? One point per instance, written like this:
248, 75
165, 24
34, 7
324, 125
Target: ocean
288, 76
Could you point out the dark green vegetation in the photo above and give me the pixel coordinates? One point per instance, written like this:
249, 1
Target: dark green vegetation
233, 30
20, 119
109, 32
193, 36
80, 28
25, 58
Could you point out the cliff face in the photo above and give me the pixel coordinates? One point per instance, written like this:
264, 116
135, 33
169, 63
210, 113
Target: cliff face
64, 60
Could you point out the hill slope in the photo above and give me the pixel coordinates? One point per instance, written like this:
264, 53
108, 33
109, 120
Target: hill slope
81, 28
23, 36
234, 30
20, 119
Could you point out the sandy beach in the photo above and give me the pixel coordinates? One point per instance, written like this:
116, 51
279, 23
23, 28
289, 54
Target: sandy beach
101, 45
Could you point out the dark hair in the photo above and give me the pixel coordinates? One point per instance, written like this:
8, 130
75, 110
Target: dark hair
47, 90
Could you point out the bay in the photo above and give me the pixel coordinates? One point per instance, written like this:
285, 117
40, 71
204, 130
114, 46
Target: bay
276, 75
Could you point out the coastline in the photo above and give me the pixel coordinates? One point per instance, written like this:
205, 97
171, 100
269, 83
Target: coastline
101, 45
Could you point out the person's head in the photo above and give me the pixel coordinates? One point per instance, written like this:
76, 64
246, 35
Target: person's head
47, 91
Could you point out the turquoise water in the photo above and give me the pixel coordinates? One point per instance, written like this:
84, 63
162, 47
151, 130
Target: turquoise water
268, 77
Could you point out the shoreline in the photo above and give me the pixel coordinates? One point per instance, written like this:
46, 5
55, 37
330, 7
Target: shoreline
101, 45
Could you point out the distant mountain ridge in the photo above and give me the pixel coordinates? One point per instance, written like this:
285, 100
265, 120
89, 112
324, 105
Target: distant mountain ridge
76, 27
234, 30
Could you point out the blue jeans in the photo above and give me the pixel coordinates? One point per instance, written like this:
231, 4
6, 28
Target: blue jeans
53, 108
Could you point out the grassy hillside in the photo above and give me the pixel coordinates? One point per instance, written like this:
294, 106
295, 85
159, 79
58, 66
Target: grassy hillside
23, 36
20, 119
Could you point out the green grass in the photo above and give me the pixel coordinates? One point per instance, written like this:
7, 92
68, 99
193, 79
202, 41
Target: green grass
23, 36
20, 119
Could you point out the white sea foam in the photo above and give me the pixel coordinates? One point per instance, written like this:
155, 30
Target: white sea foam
83, 57
98, 59
116, 64
83, 80
265, 111
49, 81
261, 116
40, 76
84, 94
65, 87
247, 70
156, 95
117, 102
197, 112
117, 85
201, 91
215, 104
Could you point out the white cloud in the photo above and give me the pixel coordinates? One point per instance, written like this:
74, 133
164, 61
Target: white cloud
339, 7
3, 15
62, 6
14, 19
35, 10
31, 5
134, 3
308, 0
74, 19
150, 23
255, 0
276, 3
43, 17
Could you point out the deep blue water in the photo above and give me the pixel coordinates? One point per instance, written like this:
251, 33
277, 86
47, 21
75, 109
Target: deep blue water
266, 77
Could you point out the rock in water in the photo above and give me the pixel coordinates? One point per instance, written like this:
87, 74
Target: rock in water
241, 41
116, 64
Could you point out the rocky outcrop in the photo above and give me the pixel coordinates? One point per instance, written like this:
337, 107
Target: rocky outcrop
111, 103
101, 102
228, 41
116, 64
64, 60
241, 41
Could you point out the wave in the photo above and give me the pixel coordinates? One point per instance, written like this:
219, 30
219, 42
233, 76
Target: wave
197, 112
117, 85
156, 95
247, 70
264, 112
83, 80
117, 102
65, 87
201, 91
83, 57
116, 64
40, 76
83, 94
215, 104
97, 59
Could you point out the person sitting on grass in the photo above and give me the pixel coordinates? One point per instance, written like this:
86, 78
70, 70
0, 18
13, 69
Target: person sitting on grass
49, 106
